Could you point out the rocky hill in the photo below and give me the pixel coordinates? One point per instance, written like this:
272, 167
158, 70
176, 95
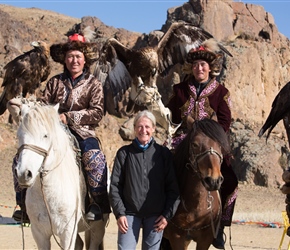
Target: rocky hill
256, 72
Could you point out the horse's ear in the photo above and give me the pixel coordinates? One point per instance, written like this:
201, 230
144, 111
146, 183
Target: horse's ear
56, 107
189, 121
214, 117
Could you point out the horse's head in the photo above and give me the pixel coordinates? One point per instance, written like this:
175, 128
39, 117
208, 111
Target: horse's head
205, 145
206, 158
35, 139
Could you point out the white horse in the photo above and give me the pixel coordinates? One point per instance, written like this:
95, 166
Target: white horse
47, 167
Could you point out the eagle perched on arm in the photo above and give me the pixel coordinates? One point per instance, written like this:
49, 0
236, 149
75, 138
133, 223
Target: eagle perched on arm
25, 73
120, 67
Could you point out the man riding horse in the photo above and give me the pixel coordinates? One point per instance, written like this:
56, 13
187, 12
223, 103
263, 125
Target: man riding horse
81, 99
201, 96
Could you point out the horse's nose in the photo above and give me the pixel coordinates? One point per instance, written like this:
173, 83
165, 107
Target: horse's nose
24, 177
213, 184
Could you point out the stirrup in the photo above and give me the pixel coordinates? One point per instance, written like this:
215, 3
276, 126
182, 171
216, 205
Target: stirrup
95, 212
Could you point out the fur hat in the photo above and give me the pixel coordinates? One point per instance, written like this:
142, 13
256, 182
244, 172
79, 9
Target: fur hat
76, 42
208, 51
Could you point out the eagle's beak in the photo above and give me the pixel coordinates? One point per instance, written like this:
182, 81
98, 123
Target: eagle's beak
35, 44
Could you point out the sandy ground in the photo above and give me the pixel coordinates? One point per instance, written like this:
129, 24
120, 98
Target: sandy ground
254, 206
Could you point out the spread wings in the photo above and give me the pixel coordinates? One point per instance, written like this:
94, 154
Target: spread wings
143, 65
24, 74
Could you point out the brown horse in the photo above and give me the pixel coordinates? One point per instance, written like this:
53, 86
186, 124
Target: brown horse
198, 160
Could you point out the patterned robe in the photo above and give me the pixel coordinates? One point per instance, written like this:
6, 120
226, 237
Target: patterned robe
82, 103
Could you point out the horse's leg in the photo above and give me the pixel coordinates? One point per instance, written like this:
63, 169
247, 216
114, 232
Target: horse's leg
79, 243
204, 239
68, 238
95, 235
165, 244
180, 243
42, 240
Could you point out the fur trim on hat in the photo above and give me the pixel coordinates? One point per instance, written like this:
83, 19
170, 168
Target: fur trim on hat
90, 51
208, 51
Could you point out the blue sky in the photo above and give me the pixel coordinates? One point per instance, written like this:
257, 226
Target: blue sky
141, 16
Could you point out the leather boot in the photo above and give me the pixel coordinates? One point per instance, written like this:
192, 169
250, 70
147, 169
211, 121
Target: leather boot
95, 212
219, 242
98, 207
21, 215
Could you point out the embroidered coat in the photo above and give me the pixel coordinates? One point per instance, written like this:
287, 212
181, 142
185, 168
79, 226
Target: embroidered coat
214, 98
83, 103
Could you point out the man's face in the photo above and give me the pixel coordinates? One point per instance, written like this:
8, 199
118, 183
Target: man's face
200, 69
75, 61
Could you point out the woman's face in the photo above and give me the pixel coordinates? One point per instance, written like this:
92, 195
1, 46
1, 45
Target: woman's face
200, 69
75, 61
144, 129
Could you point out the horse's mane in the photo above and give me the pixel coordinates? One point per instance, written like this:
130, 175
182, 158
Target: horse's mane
210, 128
39, 116
46, 116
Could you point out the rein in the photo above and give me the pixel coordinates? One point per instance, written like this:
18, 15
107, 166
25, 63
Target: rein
43, 173
210, 199
193, 164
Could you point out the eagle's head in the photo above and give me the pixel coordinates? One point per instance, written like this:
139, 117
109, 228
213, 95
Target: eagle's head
42, 46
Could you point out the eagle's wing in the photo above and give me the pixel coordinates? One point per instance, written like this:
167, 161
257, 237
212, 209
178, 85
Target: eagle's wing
280, 110
176, 43
25, 73
111, 70
12, 82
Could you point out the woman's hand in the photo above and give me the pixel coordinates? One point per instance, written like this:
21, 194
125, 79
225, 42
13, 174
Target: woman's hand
160, 224
122, 224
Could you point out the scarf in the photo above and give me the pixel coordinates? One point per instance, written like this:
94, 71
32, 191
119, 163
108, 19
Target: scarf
143, 147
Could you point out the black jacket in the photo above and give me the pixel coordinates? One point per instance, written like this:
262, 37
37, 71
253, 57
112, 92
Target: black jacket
143, 183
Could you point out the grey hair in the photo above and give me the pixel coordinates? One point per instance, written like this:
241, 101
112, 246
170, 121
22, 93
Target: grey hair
145, 113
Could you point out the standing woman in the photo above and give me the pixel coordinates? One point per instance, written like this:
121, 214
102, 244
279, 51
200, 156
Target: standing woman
144, 191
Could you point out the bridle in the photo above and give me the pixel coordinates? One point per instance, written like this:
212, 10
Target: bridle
41, 151
200, 156
193, 164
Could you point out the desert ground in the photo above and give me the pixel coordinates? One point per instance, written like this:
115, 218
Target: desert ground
257, 221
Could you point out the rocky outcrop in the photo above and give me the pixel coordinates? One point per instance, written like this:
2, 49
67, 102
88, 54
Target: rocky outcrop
255, 74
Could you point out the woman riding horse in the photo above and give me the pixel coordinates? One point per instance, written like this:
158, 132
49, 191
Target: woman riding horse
201, 96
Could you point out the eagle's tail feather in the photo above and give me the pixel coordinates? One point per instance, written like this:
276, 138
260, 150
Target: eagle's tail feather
3, 102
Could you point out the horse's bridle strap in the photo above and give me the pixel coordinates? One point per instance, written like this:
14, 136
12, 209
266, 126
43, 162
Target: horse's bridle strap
209, 151
33, 148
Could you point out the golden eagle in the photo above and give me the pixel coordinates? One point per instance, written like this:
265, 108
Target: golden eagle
120, 67
280, 110
25, 73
